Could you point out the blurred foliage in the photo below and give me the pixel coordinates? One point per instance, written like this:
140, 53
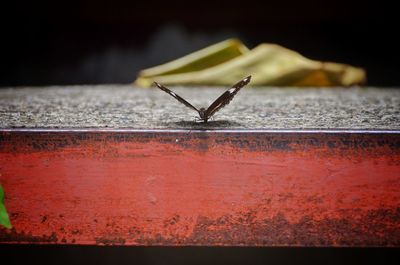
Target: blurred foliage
4, 220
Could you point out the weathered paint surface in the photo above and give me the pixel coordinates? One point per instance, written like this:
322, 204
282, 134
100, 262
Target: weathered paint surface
202, 188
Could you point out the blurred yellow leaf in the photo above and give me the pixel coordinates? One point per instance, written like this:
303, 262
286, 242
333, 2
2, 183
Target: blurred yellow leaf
268, 64
199, 60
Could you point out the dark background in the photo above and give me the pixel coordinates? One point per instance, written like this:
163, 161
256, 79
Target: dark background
195, 255
89, 42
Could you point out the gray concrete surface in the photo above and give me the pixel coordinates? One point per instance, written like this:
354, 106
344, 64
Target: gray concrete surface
123, 106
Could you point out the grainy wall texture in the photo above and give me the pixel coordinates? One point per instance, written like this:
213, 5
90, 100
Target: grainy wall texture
123, 106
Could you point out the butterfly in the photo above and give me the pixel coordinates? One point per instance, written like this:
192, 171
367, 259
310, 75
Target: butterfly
219, 103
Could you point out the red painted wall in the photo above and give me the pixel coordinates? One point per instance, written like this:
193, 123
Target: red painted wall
202, 188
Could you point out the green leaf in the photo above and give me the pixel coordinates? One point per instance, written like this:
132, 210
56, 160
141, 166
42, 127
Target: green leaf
4, 220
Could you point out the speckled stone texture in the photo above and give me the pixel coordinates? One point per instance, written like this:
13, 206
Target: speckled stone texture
124, 106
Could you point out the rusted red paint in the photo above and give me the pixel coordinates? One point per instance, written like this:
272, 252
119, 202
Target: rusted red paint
201, 188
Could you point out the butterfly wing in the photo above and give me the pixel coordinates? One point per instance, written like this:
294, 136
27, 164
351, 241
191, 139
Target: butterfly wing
176, 96
225, 98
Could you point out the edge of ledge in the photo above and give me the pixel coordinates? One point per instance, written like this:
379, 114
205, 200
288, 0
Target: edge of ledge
128, 130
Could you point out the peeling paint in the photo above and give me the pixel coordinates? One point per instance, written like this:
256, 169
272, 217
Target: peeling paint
250, 189
26, 237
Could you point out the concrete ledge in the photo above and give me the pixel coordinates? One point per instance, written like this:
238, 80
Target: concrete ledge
119, 106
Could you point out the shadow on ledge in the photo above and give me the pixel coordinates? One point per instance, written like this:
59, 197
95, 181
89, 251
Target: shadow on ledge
219, 124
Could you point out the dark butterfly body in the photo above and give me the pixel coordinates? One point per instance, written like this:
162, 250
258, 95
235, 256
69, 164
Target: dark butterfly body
219, 103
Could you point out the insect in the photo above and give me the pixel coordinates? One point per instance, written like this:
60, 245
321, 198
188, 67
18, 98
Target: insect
219, 103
